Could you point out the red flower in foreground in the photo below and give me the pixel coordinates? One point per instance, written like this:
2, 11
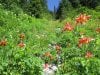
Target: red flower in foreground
21, 44
84, 40
88, 55
3, 42
82, 18
98, 30
68, 27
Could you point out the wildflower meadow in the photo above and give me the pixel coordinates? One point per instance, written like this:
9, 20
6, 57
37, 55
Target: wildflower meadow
39, 46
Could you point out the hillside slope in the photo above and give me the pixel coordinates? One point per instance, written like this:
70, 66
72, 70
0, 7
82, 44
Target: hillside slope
24, 40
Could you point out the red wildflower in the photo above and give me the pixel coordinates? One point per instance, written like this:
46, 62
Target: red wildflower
98, 30
58, 47
82, 18
3, 42
88, 55
21, 44
84, 40
47, 54
22, 36
68, 27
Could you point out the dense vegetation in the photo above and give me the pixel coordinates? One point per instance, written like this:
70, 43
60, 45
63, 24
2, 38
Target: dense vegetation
38, 8
29, 37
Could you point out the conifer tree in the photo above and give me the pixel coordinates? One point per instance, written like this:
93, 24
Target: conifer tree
35, 8
90, 3
75, 3
63, 9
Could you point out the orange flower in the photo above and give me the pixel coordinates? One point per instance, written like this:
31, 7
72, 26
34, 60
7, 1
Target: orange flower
3, 42
58, 47
47, 54
84, 40
82, 18
98, 30
21, 44
51, 57
68, 27
88, 55
22, 36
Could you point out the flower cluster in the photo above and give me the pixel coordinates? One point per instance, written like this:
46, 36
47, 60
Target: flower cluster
3, 42
88, 54
21, 44
58, 48
82, 18
48, 55
84, 40
22, 36
98, 30
68, 27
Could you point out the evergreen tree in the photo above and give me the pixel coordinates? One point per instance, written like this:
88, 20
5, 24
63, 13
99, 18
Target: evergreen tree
36, 8
90, 3
8, 3
64, 8
75, 3
32, 7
